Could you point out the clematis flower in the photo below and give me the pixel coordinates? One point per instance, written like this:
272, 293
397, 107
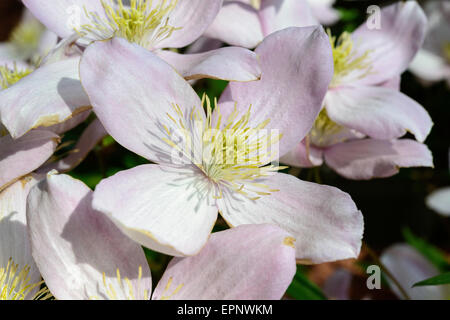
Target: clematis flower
154, 25
172, 206
409, 267
83, 255
324, 12
357, 132
245, 23
432, 62
28, 42
48, 96
19, 277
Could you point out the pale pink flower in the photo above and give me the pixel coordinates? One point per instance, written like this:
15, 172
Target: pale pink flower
432, 62
172, 206
83, 255
364, 114
439, 200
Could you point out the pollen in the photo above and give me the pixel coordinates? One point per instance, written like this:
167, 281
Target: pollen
122, 288
348, 65
233, 154
9, 76
15, 284
141, 22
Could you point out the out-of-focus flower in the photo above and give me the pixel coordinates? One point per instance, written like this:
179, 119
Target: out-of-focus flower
154, 25
364, 114
19, 277
29, 42
172, 206
409, 267
432, 62
324, 12
246, 23
439, 200
83, 255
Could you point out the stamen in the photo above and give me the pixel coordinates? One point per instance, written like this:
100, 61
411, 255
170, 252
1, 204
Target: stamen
348, 66
324, 128
140, 22
122, 289
15, 284
167, 288
233, 154
9, 76
26, 35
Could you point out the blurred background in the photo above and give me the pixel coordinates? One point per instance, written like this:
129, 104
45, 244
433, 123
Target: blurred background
394, 208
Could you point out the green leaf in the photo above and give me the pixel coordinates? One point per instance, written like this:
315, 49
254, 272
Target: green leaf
435, 281
302, 288
433, 254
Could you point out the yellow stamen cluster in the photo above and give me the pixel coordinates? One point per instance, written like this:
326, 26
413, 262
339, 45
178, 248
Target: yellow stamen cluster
323, 129
26, 36
233, 154
140, 22
123, 288
167, 288
15, 284
9, 76
347, 65
256, 4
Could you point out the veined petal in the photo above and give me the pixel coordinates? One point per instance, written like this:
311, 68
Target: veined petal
165, 209
244, 263
78, 250
230, 63
49, 95
324, 221
192, 17
237, 24
379, 112
394, 43
132, 91
297, 67
303, 156
370, 158
24, 155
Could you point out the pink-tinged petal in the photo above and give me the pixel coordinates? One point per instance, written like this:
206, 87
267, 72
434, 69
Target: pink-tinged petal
14, 239
323, 11
393, 83
439, 201
230, 63
64, 49
65, 126
392, 46
430, 67
276, 15
61, 16
252, 262
370, 158
47, 42
74, 245
165, 209
204, 44
379, 112
91, 136
132, 91
50, 95
324, 221
337, 286
303, 156
193, 17
409, 267
22, 156
297, 67
237, 24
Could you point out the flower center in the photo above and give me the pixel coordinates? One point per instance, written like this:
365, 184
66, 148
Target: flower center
15, 284
122, 288
9, 76
140, 22
256, 4
233, 154
348, 66
323, 129
26, 36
